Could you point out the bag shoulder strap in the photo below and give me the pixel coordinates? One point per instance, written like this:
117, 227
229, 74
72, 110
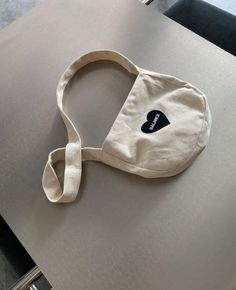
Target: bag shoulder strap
72, 153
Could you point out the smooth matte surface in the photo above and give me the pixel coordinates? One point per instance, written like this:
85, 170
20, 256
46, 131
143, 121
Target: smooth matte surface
126, 232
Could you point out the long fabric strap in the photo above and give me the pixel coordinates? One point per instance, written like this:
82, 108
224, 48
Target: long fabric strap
72, 153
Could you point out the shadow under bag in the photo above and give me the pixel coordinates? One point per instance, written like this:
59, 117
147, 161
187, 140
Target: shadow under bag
162, 126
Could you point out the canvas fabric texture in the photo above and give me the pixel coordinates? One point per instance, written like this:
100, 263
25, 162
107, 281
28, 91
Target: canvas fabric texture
161, 128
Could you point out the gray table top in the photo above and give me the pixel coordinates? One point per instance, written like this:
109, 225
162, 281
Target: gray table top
126, 232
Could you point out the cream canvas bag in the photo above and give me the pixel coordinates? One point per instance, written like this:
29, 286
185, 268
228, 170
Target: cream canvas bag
162, 126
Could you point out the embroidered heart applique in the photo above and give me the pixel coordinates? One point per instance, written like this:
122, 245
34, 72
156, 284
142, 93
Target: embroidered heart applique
156, 120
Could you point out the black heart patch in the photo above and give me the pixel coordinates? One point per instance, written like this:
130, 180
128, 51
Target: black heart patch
156, 120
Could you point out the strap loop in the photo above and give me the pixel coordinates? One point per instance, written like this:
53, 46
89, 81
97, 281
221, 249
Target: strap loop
72, 152
72, 176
